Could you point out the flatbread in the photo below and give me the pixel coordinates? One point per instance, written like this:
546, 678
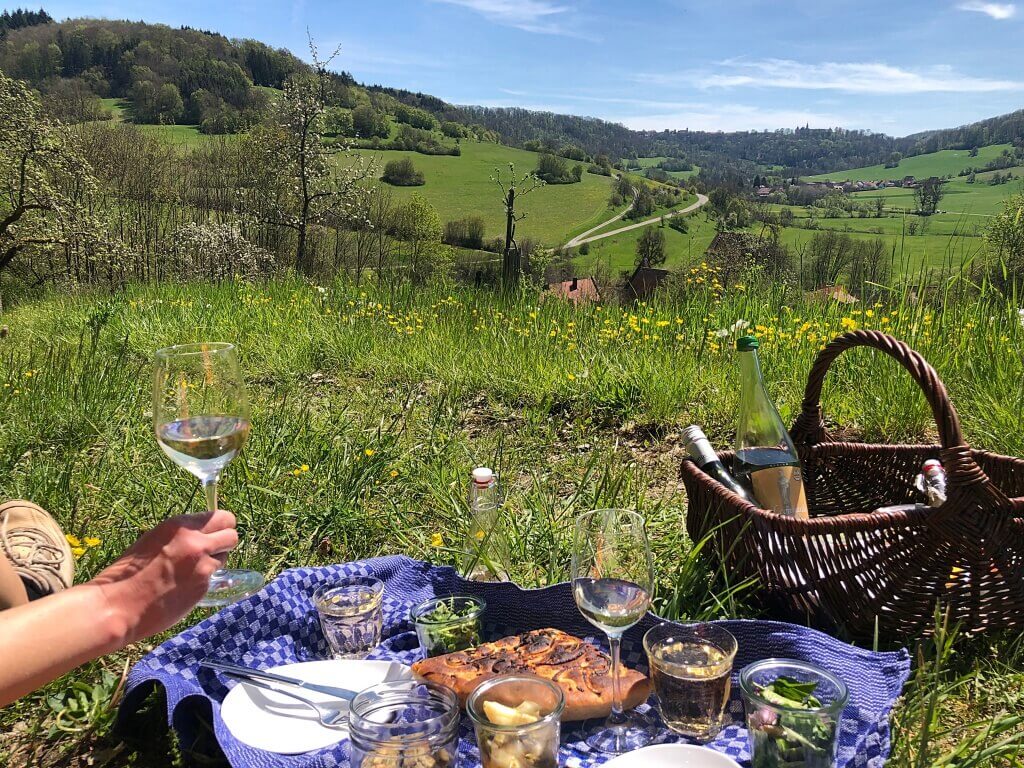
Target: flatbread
582, 671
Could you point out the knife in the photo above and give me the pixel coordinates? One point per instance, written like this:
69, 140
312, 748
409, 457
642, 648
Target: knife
236, 670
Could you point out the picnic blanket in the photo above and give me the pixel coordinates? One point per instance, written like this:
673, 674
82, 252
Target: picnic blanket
279, 625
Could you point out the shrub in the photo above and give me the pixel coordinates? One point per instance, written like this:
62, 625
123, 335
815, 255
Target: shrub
555, 170
454, 130
465, 233
402, 173
584, 249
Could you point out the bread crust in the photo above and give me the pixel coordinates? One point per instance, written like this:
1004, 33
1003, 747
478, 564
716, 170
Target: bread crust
581, 670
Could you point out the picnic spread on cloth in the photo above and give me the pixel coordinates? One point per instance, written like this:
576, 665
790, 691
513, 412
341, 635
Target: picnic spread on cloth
279, 625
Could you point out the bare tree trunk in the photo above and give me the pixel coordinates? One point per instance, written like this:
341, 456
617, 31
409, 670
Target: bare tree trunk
510, 259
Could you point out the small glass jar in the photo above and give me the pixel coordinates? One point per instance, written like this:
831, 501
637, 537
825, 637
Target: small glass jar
407, 724
787, 735
529, 744
448, 624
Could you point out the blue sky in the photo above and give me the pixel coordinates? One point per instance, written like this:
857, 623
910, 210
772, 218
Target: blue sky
896, 67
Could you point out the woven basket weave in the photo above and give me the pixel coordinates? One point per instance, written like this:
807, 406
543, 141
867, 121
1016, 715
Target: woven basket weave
849, 563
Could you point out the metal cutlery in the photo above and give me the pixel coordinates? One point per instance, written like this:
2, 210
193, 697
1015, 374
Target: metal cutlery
245, 673
329, 717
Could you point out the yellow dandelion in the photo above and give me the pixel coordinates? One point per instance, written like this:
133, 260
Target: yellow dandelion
436, 540
78, 551
479, 535
92, 541
304, 468
296, 472
571, 377
393, 473
74, 541
369, 451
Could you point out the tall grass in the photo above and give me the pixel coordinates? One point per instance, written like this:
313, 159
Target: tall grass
369, 409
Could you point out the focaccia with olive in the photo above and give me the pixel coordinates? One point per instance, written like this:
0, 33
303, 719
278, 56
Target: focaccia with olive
581, 670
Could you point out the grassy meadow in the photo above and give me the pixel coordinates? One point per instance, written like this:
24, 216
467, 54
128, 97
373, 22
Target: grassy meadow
370, 408
461, 186
947, 161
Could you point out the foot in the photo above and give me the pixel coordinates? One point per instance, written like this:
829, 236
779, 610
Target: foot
36, 547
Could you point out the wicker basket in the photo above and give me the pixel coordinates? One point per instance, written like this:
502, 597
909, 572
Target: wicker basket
850, 563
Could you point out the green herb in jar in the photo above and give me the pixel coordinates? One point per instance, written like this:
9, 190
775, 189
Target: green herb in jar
787, 738
451, 625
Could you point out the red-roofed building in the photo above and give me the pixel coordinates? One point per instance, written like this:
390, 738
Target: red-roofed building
577, 290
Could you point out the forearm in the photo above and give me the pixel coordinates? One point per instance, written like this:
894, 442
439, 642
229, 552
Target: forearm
44, 639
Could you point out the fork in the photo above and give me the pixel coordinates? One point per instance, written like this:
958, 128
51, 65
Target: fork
329, 717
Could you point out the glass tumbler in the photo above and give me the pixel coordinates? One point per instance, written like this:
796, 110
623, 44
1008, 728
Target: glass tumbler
691, 665
350, 615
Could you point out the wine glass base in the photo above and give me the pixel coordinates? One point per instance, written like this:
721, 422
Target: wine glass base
229, 585
616, 740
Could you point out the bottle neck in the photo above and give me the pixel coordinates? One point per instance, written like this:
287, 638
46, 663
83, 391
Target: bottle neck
750, 369
701, 452
483, 494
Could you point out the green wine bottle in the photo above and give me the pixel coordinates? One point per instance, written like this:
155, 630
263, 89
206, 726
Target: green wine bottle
766, 460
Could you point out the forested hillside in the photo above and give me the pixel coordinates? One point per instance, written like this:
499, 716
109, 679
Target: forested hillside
197, 77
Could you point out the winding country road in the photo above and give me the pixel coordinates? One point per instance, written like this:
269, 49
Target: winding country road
585, 237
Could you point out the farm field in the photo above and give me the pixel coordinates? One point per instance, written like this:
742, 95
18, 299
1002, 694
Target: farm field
461, 186
651, 162
389, 399
948, 161
186, 136
617, 254
978, 199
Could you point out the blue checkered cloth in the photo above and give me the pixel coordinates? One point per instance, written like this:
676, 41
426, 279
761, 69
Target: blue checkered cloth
279, 625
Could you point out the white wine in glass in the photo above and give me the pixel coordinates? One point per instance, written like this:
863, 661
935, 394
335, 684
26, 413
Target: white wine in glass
612, 581
201, 419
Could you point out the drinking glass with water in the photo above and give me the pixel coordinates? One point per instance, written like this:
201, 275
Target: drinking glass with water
351, 615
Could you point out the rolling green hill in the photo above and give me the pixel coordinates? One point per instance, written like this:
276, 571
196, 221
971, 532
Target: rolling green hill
946, 162
461, 186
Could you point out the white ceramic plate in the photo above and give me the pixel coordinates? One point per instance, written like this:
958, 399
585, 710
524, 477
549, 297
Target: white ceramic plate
275, 723
673, 756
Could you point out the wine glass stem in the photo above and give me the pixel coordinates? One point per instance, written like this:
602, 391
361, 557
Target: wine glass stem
210, 489
616, 717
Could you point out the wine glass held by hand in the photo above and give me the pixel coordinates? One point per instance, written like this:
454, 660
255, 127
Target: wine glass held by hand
612, 581
201, 419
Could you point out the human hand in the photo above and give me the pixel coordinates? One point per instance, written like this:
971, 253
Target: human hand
161, 577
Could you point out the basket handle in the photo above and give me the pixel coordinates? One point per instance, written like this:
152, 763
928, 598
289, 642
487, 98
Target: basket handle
809, 428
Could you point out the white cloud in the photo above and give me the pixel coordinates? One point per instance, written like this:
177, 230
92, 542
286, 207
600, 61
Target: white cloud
530, 15
734, 117
865, 77
998, 11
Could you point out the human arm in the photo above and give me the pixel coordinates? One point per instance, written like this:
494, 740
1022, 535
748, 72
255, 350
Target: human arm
148, 589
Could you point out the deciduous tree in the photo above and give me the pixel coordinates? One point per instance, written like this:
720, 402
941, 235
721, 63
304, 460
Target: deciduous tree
44, 183
650, 248
511, 191
294, 180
